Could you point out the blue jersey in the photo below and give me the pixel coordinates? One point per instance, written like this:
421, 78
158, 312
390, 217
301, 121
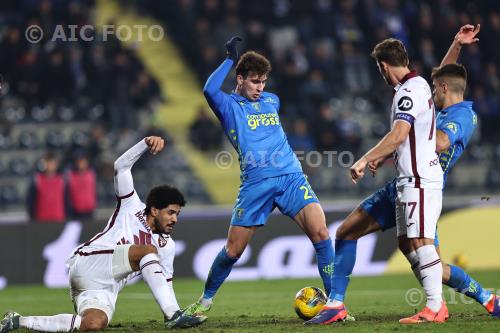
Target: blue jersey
458, 122
253, 128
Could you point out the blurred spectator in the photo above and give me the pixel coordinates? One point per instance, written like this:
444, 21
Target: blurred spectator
355, 67
122, 115
204, 133
350, 132
325, 129
320, 51
62, 82
46, 194
87, 94
428, 55
300, 139
314, 91
488, 112
144, 90
81, 187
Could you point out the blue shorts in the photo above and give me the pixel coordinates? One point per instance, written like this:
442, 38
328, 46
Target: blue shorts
258, 198
381, 205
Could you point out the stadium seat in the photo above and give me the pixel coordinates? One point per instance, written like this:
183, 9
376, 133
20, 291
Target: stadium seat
9, 195
66, 113
79, 138
19, 166
3, 168
55, 139
15, 114
42, 113
96, 112
497, 152
5, 141
29, 140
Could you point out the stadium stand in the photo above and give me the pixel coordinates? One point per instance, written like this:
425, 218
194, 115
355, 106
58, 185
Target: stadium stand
93, 95
324, 75
64, 95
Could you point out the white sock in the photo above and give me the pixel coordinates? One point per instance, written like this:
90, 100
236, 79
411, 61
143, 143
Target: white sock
333, 303
155, 278
415, 263
206, 302
57, 323
431, 272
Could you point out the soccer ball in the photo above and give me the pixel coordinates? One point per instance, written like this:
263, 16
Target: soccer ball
309, 301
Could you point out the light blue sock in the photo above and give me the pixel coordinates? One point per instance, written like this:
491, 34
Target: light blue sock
324, 257
345, 258
463, 283
221, 267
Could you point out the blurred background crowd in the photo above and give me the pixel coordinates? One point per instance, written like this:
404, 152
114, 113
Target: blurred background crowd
80, 100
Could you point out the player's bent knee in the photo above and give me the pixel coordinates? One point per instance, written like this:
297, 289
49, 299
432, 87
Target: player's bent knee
151, 249
318, 234
405, 245
93, 320
144, 250
342, 232
93, 326
323, 233
137, 252
234, 252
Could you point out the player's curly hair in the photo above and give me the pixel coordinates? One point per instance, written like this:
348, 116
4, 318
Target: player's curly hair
391, 51
455, 75
161, 196
252, 62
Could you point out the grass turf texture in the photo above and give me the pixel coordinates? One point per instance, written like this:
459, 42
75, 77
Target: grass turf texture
266, 306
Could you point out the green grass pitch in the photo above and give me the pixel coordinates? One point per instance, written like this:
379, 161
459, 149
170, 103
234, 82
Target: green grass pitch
266, 306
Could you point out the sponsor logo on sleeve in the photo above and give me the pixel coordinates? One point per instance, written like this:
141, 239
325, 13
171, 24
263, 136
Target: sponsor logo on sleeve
405, 103
452, 127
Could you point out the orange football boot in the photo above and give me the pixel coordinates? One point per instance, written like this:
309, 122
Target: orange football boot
428, 316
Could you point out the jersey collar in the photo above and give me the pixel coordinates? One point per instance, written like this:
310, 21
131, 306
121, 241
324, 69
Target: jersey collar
465, 104
405, 78
240, 98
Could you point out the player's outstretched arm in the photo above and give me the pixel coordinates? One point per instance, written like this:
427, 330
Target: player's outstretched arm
386, 146
124, 183
466, 35
212, 89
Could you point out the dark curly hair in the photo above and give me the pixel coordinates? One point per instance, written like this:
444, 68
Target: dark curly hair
252, 62
162, 196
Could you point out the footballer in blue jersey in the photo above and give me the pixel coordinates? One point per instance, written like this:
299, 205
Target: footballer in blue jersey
455, 124
271, 175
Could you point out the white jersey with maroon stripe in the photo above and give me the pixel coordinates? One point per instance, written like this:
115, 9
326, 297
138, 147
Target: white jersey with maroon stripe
128, 223
416, 160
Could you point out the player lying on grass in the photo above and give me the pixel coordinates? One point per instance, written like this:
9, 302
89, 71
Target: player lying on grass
455, 125
271, 175
136, 241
